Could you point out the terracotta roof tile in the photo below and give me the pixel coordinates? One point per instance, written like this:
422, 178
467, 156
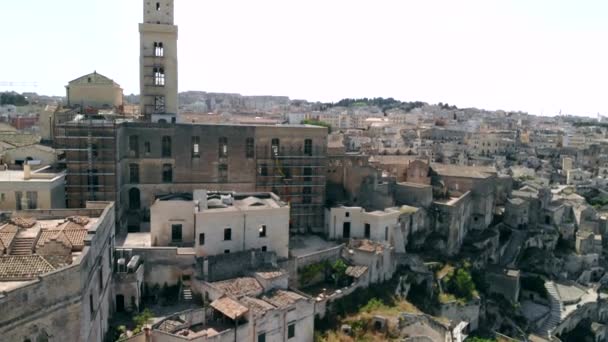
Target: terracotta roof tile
23, 267
239, 287
9, 228
47, 235
282, 298
229, 307
7, 238
76, 236
356, 271
257, 306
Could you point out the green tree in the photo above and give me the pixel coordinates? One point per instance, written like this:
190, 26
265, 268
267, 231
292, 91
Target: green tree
463, 285
145, 317
317, 123
339, 271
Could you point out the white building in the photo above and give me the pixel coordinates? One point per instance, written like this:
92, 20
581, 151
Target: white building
221, 222
27, 189
577, 176
392, 225
379, 258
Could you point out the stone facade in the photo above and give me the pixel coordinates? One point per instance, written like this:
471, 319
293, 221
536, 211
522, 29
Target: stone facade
94, 90
158, 62
289, 161
73, 302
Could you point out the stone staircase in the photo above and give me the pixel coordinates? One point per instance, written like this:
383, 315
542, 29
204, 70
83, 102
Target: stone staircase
554, 315
186, 293
22, 246
513, 248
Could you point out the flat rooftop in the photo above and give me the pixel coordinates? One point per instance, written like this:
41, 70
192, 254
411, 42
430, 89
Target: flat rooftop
480, 172
301, 245
13, 176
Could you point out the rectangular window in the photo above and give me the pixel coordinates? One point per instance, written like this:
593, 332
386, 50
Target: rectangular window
159, 104
100, 278
133, 146
223, 147
275, 147
286, 172
262, 337
147, 147
195, 147
307, 195
249, 148
226, 251
307, 172
133, 173
18, 200
201, 239
291, 330
223, 172
110, 258
167, 173
166, 147
227, 234
264, 248
176, 233
368, 231
263, 170
159, 50
32, 199
159, 77
386, 233
308, 147
262, 230
91, 306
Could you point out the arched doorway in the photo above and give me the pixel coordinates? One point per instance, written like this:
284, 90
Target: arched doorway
134, 199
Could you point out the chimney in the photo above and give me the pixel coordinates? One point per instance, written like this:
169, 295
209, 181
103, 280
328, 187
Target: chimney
27, 171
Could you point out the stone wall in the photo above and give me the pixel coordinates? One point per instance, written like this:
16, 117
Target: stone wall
232, 265
57, 304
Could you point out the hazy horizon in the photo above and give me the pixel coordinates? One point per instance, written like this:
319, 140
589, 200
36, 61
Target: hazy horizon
539, 57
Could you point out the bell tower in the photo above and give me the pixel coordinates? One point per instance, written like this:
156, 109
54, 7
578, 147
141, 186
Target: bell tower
158, 62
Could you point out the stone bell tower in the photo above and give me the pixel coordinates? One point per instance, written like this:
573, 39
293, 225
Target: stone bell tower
158, 62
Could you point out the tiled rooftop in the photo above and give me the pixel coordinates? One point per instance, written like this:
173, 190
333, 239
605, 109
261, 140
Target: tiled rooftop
356, 271
367, 246
258, 306
23, 267
239, 287
229, 307
32, 236
282, 298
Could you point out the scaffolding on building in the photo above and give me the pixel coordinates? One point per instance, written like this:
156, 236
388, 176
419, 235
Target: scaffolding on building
297, 178
89, 145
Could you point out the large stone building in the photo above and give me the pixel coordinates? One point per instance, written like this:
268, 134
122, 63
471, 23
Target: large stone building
56, 274
154, 159
158, 62
94, 90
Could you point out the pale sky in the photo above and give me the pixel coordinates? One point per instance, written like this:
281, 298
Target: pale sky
532, 55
